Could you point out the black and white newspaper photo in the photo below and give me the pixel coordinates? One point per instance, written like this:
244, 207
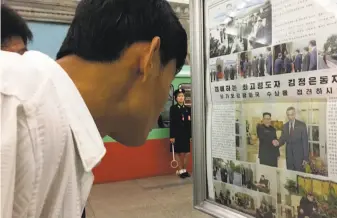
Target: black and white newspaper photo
237, 26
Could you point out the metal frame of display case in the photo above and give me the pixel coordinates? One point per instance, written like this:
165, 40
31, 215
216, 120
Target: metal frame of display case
198, 40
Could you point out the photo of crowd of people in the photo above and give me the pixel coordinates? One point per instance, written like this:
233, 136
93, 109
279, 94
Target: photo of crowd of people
327, 49
256, 63
288, 135
238, 26
299, 56
223, 68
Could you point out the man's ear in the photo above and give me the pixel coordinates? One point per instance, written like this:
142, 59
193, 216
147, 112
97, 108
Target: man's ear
152, 58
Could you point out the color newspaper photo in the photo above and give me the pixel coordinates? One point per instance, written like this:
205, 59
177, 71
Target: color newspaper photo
288, 134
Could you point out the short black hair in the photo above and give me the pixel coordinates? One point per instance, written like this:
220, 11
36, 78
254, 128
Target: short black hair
313, 42
13, 25
102, 29
291, 108
297, 50
306, 48
266, 113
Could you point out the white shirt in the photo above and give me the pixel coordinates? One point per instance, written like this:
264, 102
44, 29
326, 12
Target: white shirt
291, 125
49, 141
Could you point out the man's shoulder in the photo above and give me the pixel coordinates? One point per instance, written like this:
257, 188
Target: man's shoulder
19, 77
301, 123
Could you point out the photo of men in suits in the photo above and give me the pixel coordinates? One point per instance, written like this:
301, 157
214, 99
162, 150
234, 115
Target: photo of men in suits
255, 63
295, 57
295, 136
278, 65
298, 61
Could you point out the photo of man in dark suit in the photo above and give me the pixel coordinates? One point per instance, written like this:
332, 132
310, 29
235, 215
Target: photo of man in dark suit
313, 55
298, 61
269, 61
261, 65
308, 206
266, 133
306, 60
255, 67
278, 65
295, 136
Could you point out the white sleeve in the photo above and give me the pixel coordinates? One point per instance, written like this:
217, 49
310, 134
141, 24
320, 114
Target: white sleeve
8, 138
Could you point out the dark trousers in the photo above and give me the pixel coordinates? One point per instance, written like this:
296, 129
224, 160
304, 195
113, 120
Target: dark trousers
83, 214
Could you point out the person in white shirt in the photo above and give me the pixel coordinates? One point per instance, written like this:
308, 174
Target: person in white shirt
115, 53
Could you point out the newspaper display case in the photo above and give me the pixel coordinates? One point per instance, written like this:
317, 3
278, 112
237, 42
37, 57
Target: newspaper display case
264, 84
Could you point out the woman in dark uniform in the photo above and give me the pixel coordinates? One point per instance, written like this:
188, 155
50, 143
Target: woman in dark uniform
180, 131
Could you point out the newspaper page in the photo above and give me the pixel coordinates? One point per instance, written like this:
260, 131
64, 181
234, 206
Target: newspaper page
272, 115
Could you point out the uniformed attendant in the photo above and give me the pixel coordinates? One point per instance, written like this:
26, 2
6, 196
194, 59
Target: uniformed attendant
180, 131
268, 154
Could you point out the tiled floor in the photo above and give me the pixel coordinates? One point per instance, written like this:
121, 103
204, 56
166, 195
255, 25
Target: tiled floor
164, 197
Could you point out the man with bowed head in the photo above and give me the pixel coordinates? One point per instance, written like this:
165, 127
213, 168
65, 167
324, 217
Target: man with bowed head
115, 53
295, 136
